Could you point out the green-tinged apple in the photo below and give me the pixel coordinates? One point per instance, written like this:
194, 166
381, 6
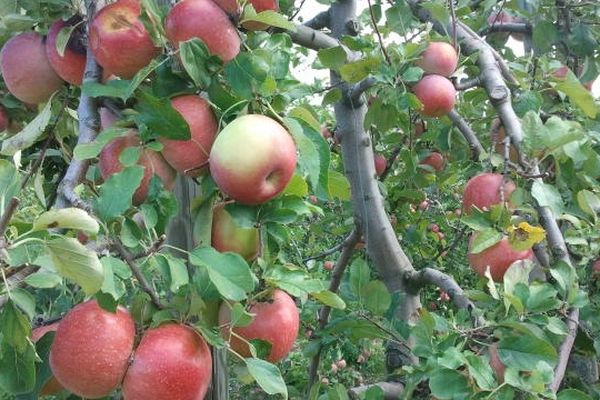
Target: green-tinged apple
260, 6
172, 362
51, 386
253, 159
4, 120
152, 161
435, 160
437, 95
485, 190
204, 20
71, 65
227, 235
276, 320
91, 349
26, 70
496, 363
498, 258
439, 58
190, 156
119, 39
380, 164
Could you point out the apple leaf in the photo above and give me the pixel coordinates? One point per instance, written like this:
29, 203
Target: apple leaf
113, 88
482, 372
330, 299
356, 71
198, 62
67, 218
159, 116
580, 96
9, 182
589, 202
117, 191
267, 376
32, 132
524, 236
485, 239
271, 18
333, 58
523, 352
572, 394
449, 384
62, 39
18, 368
547, 195
14, 326
360, 275
43, 280
376, 298
86, 151
74, 261
245, 74
295, 282
338, 186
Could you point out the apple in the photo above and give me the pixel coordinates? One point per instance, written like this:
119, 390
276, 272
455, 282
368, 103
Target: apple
498, 257
263, 169
260, 6
71, 65
313, 199
172, 362
424, 205
380, 164
325, 132
227, 235
434, 227
91, 349
496, 363
26, 70
153, 163
596, 268
119, 39
436, 94
435, 160
231, 7
341, 364
484, 190
276, 320
51, 386
420, 128
561, 73
328, 265
439, 58
203, 19
4, 120
107, 118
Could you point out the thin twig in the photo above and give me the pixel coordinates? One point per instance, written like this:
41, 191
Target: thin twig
564, 351
468, 83
332, 250
376, 29
476, 148
18, 280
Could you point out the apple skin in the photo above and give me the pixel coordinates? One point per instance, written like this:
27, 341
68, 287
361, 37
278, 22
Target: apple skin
4, 120
119, 39
253, 177
496, 363
499, 257
91, 349
231, 7
172, 362
276, 321
152, 162
328, 265
189, 156
229, 236
205, 20
439, 58
437, 95
380, 164
26, 70
71, 65
435, 160
483, 191
260, 6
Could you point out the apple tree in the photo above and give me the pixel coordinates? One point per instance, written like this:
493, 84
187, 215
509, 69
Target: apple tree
227, 199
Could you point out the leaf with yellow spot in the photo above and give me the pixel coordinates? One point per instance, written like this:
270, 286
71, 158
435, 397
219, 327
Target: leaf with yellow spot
524, 236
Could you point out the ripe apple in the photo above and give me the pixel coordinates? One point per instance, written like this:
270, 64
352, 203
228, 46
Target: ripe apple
433, 227
276, 321
119, 39
227, 235
71, 65
91, 349
380, 164
153, 163
203, 19
437, 95
325, 132
328, 265
484, 190
4, 120
172, 362
231, 7
496, 363
259, 174
424, 205
498, 257
52, 386
26, 70
260, 6
439, 58
189, 156
435, 160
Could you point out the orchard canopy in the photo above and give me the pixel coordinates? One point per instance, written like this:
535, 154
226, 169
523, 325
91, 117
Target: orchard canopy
324, 200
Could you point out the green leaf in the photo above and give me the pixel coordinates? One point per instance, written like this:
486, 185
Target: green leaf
198, 61
62, 39
239, 315
18, 368
448, 384
438, 11
339, 187
356, 71
9, 182
332, 96
481, 371
484, 240
267, 376
579, 95
229, 272
86, 151
43, 280
109, 285
356, 329
30, 134
113, 88
14, 326
548, 196
245, 74
333, 58
297, 186
376, 297
589, 203
74, 261
582, 40
523, 352
117, 191
295, 282
330, 299
159, 116
67, 218
24, 300
544, 35
272, 18
572, 394
360, 275
178, 272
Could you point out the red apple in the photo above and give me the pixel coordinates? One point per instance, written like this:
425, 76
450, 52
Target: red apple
313, 199
424, 205
153, 163
435, 160
501, 17
231, 7
439, 58
203, 19
71, 65
4, 120
433, 227
260, 6
380, 164
328, 265
263, 169
119, 39
484, 190
26, 70
227, 235
276, 321
437, 95
325, 132
498, 257
107, 118
596, 268
172, 362
190, 156
496, 363
91, 349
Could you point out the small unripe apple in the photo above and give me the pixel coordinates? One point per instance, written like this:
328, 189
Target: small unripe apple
91, 349
324, 381
227, 235
424, 205
440, 236
484, 190
313, 199
71, 65
498, 257
380, 164
438, 58
172, 362
119, 39
334, 368
256, 176
435, 160
434, 227
328, 265
4, 121
341, 364
276, 321
436, 94
325, 132
596, 268
26, 70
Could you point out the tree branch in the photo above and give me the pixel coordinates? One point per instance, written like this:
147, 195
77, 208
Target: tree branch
512, 27
476, 148
357, 90
332, 250
468, 83
17, 280
320, 21
312, 39
564, 351
391, 390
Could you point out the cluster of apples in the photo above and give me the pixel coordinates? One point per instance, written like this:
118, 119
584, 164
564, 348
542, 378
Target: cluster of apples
435, 91
484, 191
